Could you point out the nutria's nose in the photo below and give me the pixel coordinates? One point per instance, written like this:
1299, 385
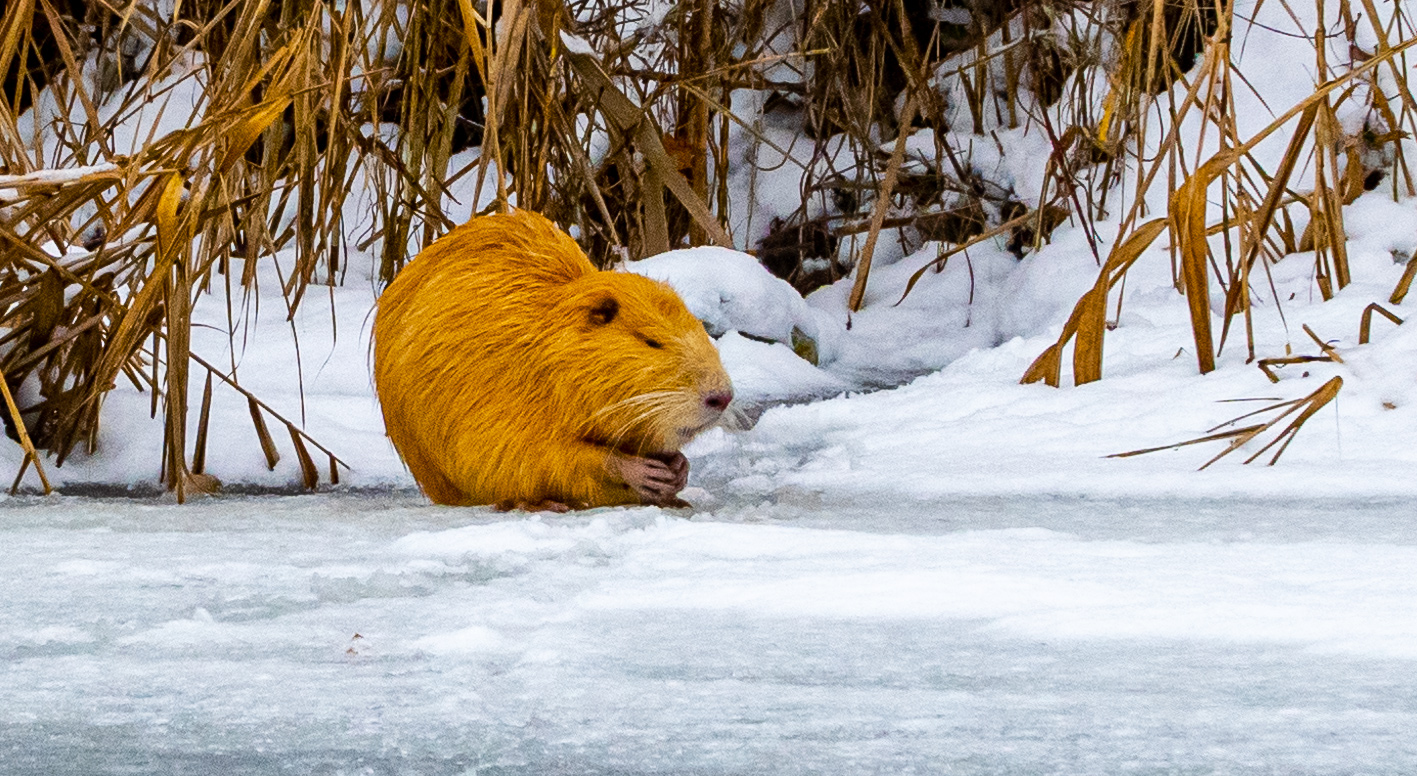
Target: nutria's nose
718, 400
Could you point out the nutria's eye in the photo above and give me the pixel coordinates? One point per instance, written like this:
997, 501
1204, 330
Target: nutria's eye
656, 344
604, 311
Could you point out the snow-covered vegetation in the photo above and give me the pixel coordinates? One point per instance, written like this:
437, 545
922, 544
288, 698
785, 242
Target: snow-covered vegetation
962, 194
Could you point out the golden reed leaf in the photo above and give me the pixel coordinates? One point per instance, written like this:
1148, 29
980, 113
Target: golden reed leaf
1090, 311
268, 445
245, 133
1091, 326
309, 475
1188, 228
168, 238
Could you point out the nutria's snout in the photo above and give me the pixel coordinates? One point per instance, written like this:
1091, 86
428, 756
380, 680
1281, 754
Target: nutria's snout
714, 406
719, 400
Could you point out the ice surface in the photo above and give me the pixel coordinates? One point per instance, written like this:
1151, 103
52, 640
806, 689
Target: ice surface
375, 634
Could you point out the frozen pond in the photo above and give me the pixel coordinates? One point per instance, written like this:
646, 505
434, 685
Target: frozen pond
353, 634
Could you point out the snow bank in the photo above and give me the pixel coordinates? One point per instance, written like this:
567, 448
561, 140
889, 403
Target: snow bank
767, 334
730, 290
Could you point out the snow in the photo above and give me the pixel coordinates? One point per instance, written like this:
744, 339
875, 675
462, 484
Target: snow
576, 44
375, 633
54, 177
730, 291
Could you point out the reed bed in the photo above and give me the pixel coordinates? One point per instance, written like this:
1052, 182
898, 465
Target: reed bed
619, 119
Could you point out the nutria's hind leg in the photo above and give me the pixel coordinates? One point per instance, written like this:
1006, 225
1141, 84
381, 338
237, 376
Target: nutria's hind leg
441, 491
434, 484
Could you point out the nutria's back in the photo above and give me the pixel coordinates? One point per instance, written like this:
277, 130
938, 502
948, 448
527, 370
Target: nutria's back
511, 370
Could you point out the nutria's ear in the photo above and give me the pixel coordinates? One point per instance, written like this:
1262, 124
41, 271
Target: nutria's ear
604, 311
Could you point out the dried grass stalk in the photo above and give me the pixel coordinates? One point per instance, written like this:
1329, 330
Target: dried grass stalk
31, 456
1365, 325
1404, 283
631, 121
1238, 437
883, 203
263, 434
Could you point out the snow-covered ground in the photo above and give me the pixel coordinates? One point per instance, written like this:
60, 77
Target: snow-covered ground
377, 635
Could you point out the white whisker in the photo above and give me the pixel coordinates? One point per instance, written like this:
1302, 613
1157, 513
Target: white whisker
734, 419
644, 407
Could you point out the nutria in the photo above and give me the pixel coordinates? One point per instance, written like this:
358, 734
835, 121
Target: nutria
512, 372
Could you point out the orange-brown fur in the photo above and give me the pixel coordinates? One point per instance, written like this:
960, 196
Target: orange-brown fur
505, 375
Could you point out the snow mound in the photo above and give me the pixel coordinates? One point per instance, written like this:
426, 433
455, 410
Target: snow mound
769, 372
730, 291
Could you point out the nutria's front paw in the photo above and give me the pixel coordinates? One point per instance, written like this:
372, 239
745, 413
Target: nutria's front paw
655, 480
678, 464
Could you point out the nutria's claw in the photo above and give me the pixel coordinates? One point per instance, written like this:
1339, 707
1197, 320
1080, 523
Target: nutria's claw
655, 480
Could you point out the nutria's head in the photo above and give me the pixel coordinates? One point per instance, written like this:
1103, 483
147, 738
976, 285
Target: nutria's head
636, 367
